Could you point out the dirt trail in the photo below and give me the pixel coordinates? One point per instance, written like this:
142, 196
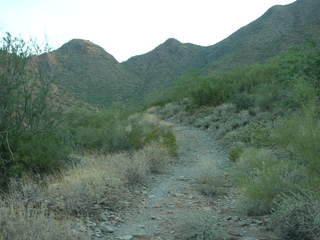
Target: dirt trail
172, 195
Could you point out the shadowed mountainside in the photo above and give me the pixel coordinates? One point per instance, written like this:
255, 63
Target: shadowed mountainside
89, 72
275, 31
161, 66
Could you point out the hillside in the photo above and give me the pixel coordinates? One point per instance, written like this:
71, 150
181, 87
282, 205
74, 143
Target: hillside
278, 29
89, 72
95, 76
160, 67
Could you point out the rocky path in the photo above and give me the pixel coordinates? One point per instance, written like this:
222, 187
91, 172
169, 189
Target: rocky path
172, 196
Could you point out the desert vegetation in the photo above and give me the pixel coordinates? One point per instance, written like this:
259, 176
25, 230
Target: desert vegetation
59, 164
267, 117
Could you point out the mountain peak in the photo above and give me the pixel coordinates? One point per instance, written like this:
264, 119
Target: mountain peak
81, 45
172, 41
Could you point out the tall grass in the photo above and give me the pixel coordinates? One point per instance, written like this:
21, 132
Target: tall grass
19, 222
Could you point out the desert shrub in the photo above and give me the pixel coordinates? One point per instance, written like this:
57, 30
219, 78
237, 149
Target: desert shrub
19, 222
78, 189
213, 90
48, 154
212, 183
259, 134
109, 131
102, 130
211, 180
197, 225
266, 99
297, 216
235, 152
160, 97
262, 178
135, 168
158, 157
144, 133
243, 101
302, 95
299, 134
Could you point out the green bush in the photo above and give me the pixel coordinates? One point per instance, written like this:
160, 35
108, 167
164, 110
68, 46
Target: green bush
41, 152
99, 130
303, 94
143, 134
259, 134
29, 124
109, 130
243, 101
299, 135
262, 178
235, 153
297, 217
213, 91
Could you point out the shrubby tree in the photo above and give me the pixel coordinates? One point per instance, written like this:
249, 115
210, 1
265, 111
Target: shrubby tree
29, 139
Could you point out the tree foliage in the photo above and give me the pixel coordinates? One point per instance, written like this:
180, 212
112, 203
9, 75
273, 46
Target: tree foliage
29, 140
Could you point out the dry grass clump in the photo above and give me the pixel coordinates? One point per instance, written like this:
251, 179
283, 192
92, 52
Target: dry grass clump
104, 180
79, 189
131, 168
18, 222
158, 157
199, 225
134, 169
212, 181
297, 217
101, 181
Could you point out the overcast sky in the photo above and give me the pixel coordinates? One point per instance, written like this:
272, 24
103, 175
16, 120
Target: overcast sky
125, 28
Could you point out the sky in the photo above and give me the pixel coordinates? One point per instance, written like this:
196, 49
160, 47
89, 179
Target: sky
125, 28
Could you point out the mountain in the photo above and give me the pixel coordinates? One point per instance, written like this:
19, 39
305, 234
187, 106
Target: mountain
278, 29
93, 75
88, 72
160, 67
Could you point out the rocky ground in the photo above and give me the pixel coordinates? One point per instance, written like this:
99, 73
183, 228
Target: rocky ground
172, 199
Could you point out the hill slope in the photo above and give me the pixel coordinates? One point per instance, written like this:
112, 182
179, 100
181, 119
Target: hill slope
89, 72
160, 67
278, 29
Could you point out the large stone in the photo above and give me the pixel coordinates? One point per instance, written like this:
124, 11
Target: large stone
106, 228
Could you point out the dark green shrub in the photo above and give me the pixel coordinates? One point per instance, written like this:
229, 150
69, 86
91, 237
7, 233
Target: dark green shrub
243, 101
100, 130
303, 94
262, 178
299, 135
29, 142
235, 153
212, 91
41, 152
